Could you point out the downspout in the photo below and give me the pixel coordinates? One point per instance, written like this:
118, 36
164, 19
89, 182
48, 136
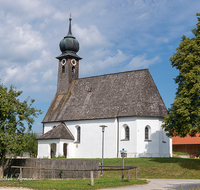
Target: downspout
117, 137
43, 129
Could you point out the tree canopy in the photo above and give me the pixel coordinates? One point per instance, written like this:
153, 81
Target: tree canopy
31, 144
184, 115
15, 118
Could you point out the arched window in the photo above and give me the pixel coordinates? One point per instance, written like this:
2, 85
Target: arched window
127, 133
63, 69
53, 126
78, 134
147, 132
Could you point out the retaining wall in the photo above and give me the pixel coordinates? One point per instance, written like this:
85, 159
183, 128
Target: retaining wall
50, 163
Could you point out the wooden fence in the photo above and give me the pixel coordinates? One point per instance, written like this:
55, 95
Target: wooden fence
90, 170
71, 165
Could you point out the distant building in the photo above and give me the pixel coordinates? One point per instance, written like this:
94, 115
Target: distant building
128, 104
188, 144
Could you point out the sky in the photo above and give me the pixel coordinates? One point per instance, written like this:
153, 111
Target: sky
114, 36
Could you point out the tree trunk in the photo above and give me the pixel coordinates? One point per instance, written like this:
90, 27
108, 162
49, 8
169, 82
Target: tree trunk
3, 155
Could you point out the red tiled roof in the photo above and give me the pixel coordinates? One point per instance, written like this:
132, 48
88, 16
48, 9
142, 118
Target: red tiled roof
186, 140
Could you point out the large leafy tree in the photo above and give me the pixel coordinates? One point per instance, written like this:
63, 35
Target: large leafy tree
31, 144
15, 117
184, 115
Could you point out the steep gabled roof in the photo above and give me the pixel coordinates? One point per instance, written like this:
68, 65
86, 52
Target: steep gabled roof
132, 93
59, 132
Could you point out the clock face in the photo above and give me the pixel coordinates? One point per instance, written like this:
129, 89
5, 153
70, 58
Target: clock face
73, 61
63, 62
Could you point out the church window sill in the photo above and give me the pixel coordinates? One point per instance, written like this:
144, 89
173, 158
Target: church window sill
77, 142
125, 140
146, 140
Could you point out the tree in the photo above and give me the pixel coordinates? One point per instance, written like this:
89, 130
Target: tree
14, 114
31, 144
184, 115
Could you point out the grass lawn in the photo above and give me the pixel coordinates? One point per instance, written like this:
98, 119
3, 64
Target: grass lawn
72, 184
169, 168
165, 168
180, 153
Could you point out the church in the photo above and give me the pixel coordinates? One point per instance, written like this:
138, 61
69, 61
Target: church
102, 114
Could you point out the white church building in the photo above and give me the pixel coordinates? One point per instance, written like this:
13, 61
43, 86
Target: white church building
127, 106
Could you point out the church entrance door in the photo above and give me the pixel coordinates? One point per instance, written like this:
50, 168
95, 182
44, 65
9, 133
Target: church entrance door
65, 150
53, 150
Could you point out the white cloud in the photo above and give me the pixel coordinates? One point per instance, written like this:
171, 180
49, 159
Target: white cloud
91, 37
18, 42
20, 75
24, 10
48, 76
109, 64
140, 62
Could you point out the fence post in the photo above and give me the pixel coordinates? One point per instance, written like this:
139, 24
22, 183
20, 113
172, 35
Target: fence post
92, 178
128, 175
122, 166
20, 175
136, 173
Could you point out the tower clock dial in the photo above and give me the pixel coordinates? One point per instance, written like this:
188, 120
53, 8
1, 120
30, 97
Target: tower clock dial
63, 62
73, 61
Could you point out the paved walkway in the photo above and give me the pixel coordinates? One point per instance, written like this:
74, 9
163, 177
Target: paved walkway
164, 184
154, 184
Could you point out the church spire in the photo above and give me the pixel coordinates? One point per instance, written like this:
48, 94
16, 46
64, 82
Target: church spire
68, 67
70, 30
69, 46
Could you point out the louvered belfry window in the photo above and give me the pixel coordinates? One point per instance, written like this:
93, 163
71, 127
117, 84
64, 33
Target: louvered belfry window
63, 69
73, 69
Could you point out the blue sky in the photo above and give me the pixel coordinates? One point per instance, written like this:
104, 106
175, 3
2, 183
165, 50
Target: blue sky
114, 36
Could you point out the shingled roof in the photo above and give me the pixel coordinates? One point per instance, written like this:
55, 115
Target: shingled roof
125, 94
59, 132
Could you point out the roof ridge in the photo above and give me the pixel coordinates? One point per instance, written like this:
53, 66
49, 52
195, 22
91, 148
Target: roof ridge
114, 73
68, 129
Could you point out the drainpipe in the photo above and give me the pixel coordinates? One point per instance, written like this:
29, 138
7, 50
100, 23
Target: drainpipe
43, 129
117, 137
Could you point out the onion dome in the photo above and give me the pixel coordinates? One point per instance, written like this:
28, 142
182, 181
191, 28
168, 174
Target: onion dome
69, 45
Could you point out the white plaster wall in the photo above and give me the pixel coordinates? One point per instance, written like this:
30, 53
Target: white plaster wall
44, 147
155, 147
49, 126
131, 144
90, 145
166, 147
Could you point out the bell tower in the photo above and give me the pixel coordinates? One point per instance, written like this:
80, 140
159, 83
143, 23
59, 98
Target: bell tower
68, 68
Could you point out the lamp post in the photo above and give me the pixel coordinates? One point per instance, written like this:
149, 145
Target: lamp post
103, 129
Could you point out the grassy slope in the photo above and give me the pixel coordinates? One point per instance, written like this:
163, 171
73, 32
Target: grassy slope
175, 168
169, 168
